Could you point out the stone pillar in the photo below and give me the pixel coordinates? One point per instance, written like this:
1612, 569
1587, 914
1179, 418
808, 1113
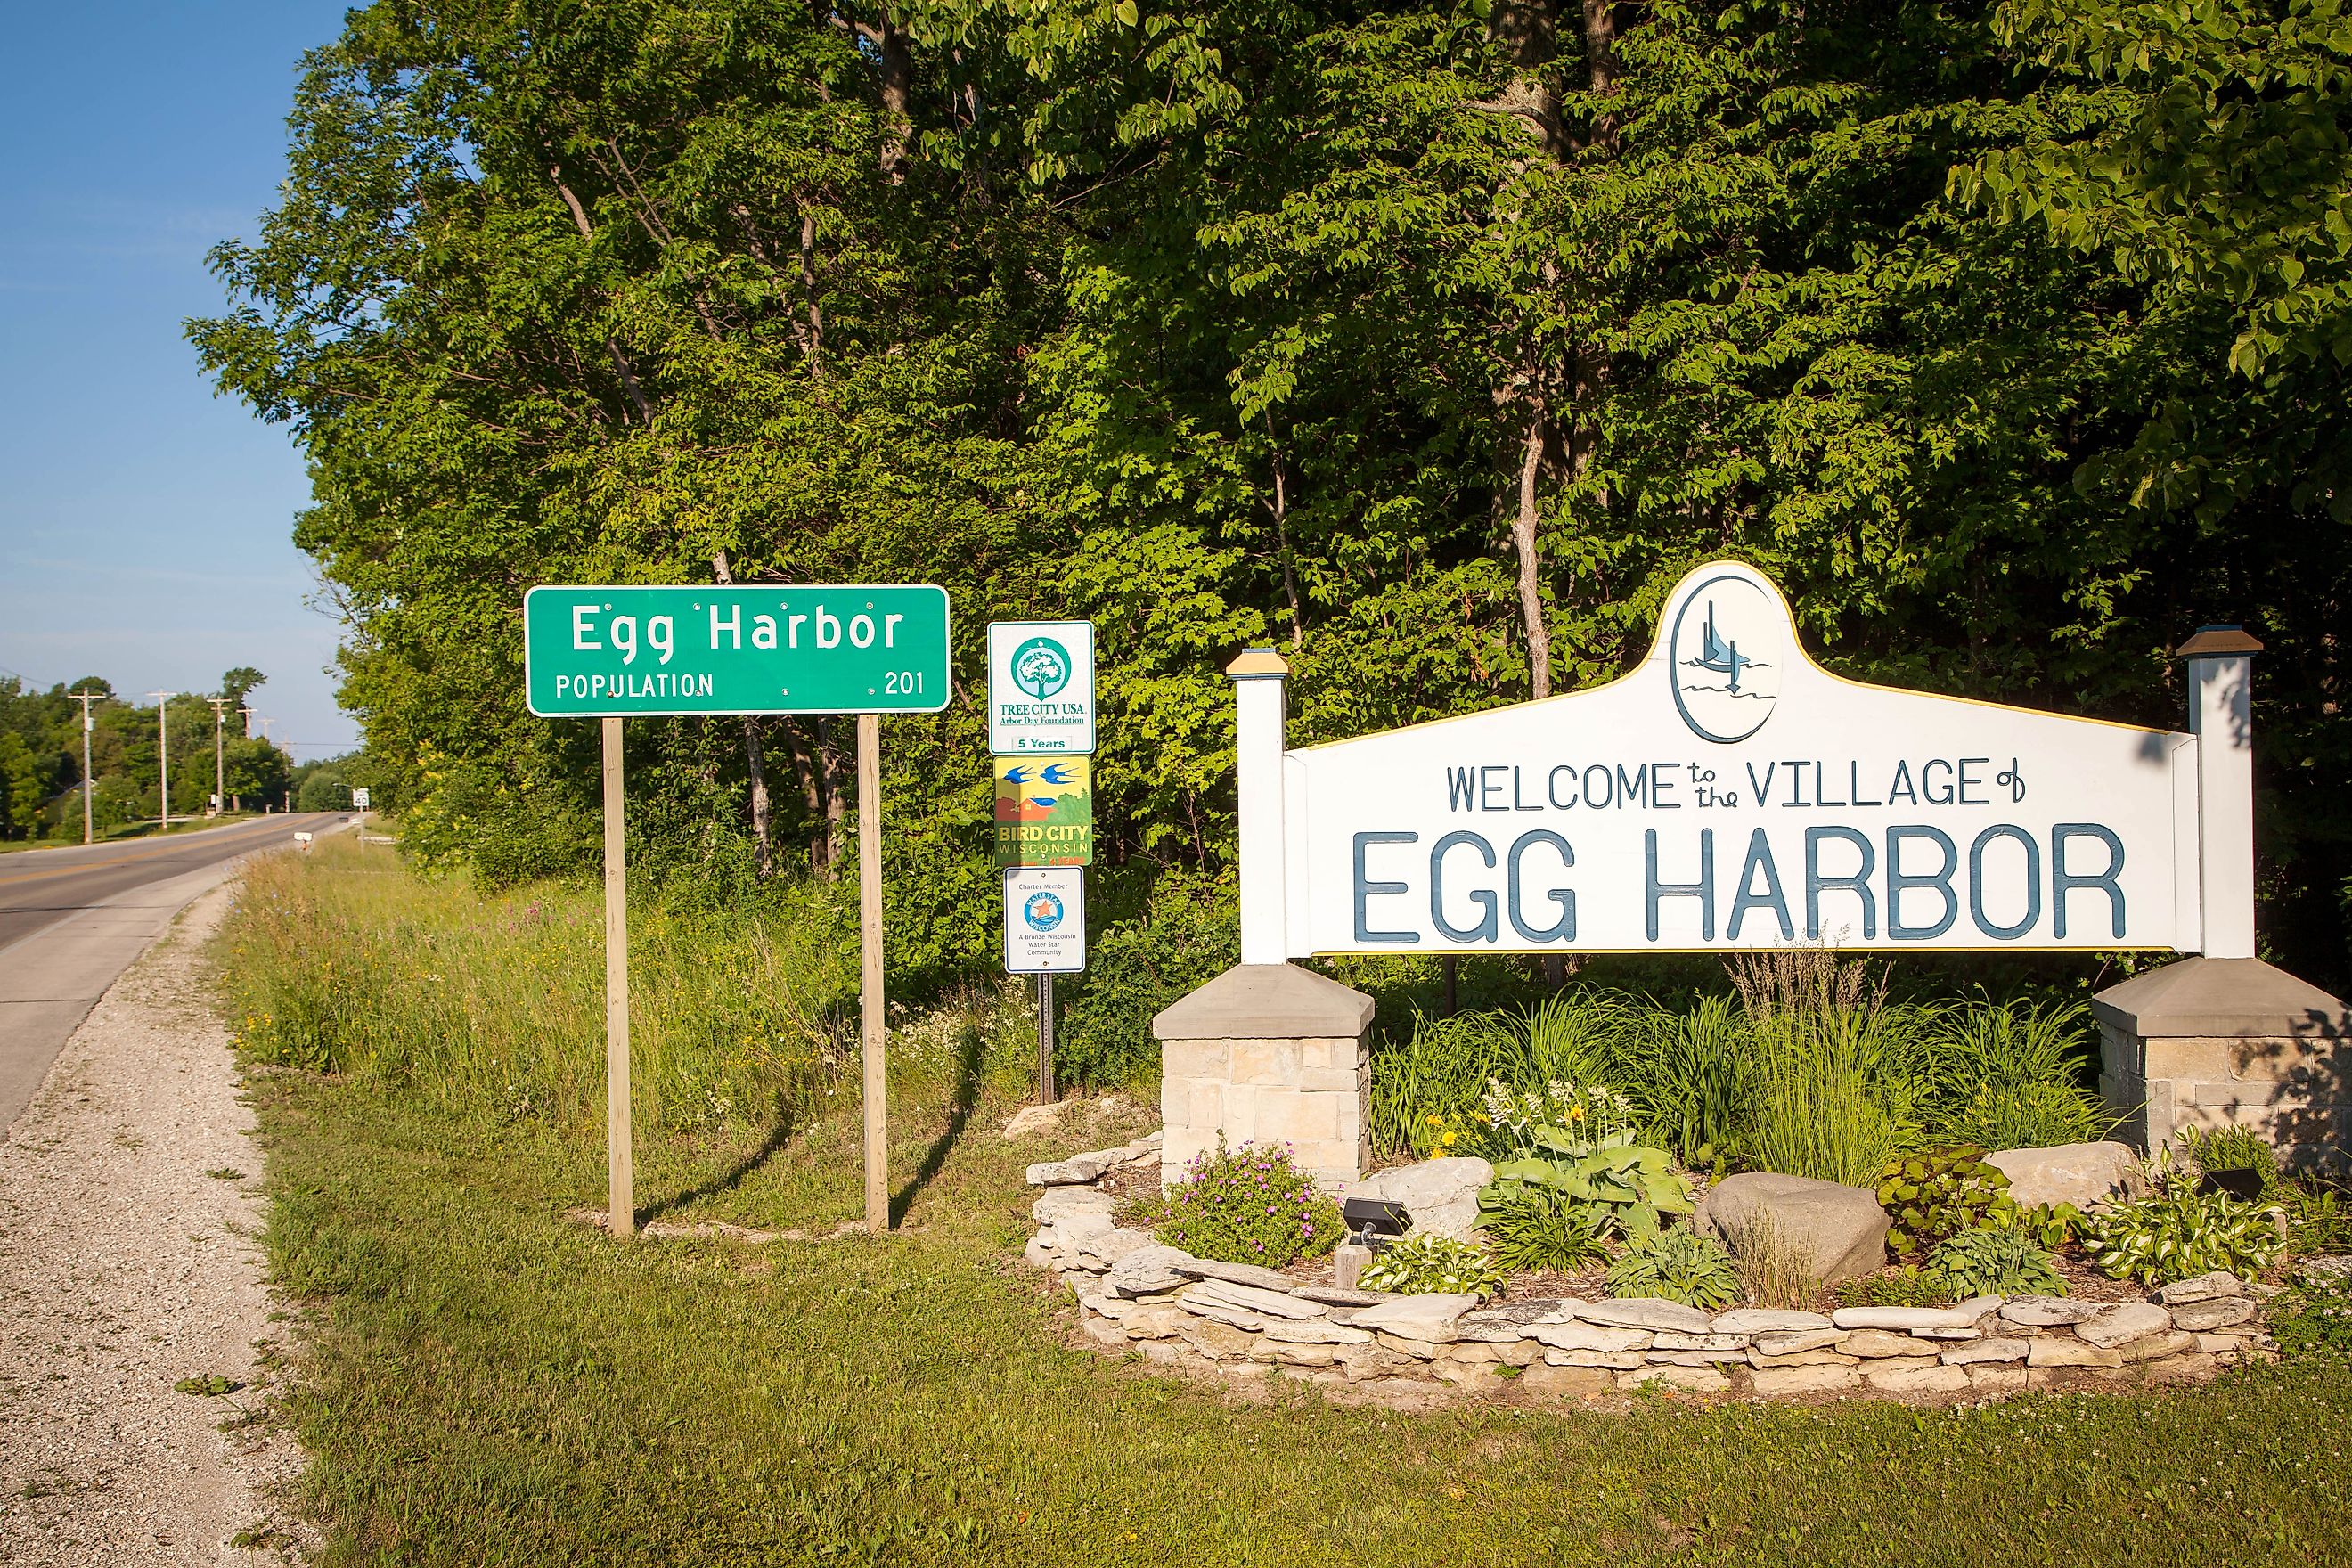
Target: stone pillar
2214, 1042
1268, 1053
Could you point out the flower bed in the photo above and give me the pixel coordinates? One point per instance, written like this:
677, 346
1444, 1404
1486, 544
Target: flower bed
1245, 1321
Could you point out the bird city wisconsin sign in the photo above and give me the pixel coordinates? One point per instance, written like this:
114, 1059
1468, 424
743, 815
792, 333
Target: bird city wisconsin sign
1729, 792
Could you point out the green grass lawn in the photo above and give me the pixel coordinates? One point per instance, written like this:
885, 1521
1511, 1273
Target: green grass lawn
484, 1380
491, 1383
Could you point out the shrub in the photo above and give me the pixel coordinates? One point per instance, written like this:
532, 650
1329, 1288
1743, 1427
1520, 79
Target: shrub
1932, 1195
1186, 937
1440, 1070
1996, 1263
1428, 1264
1250, 1204
2177, 1231
1679, 1265
2010, 1075
1536, 1229
2233, 1149
1815, 1113
2318, 1222
2312, 1319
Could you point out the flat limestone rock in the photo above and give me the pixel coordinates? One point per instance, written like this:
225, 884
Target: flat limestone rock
1876, 1343
1768, 1321
1430, 1317
1647, 1312
1148, 1271
1341, 1295
1107, 1249
2054, 1351
1805, 1379
2156, 1347
2047, 1311
1077, 1171
1269, 1303
1442, 1195
2204, 1317
1912, 1320
2212, 1287
1589, 1337
1979, 1352
2124, 1322
1219, 1312
1315, 1331
1793, 1341
1235, 1273
1060, 1203
2085, 1174
1892, 1378
1832, 1232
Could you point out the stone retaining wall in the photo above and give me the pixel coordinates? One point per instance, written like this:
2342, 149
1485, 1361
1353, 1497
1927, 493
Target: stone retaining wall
1241, 1321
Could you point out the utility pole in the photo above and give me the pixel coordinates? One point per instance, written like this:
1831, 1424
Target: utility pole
220, 773
86, 698
164, 759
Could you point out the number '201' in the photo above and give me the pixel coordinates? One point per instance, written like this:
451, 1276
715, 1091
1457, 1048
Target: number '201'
902, 683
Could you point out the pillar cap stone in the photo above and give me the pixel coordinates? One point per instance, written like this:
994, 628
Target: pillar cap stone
1267, 1001
2239, 998
1257, 662
2218, 642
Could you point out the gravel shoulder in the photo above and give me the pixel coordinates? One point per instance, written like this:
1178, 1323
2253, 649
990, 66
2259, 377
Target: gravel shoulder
130, 1200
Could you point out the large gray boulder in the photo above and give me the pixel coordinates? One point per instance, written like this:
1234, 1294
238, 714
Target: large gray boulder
1832, 1232
1442, 1195
2083, 1175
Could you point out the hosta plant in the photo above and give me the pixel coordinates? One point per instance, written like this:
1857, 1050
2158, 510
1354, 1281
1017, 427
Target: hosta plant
1250, 1204
1534, 1229
1427, 1264
1997, 1263
1931, 1195
2177, 1231
1679, 1265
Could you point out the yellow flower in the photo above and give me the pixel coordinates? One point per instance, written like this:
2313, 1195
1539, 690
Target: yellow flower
1576, 1113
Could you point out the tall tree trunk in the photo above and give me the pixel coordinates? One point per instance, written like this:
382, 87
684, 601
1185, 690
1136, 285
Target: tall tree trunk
812, 797
1524, 537
836, 795
1282, 542
897, 92
763, 855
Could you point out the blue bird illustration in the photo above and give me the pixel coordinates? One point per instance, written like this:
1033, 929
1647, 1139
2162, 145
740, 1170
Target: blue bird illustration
1054, 774
1016, 774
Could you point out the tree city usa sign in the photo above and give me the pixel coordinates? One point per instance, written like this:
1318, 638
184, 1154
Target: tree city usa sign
1729, 792
639, 652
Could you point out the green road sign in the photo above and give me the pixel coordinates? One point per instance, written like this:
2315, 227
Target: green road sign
839, 649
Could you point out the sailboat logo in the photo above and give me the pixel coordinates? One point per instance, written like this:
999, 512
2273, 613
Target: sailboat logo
1725, 657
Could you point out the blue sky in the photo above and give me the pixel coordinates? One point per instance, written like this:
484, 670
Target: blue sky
144, 523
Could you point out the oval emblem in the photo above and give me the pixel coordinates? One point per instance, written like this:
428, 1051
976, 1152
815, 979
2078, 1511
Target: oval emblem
1725, 653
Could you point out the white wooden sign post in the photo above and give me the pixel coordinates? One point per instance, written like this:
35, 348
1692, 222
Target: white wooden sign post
1730, 793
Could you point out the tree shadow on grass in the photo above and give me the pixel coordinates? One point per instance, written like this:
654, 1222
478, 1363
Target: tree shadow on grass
960, 1105
780, 1133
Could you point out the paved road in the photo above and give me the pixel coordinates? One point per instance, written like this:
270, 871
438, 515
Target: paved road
71, 919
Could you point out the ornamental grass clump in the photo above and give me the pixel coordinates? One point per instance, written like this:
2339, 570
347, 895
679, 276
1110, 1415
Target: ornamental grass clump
1249, 1205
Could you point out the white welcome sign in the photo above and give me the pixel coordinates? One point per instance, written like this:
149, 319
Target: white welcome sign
1729, 792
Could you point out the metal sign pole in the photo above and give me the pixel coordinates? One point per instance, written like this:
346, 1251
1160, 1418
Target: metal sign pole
1046, 1092
869, 938
619, 1172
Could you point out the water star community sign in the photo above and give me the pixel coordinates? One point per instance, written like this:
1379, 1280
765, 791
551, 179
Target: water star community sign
1729, 792
633, 652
